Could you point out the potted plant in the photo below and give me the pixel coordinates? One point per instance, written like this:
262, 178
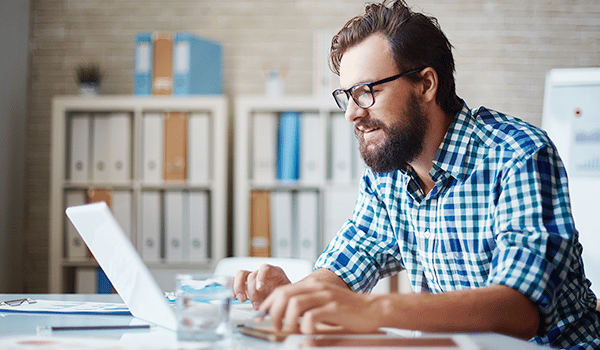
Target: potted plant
88, 78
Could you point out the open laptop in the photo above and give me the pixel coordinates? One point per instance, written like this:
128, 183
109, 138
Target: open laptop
122, 264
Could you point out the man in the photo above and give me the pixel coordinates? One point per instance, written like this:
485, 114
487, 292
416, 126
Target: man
472, 203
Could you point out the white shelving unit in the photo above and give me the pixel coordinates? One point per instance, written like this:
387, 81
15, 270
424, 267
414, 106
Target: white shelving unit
246, 107
62, 267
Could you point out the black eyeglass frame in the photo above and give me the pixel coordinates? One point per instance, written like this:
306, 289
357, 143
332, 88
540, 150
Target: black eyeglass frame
349, 92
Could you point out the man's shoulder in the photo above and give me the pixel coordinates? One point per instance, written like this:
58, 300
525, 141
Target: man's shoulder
499, 130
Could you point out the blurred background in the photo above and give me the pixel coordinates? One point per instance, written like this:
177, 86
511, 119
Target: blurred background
502, 48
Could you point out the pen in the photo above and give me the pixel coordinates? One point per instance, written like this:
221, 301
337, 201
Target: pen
92, 328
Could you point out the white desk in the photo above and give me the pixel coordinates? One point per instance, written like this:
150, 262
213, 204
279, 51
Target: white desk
21, 324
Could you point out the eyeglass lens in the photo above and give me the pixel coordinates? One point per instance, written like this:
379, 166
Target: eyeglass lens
361, 94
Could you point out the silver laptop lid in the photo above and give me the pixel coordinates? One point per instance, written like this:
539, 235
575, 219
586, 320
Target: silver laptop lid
122, 263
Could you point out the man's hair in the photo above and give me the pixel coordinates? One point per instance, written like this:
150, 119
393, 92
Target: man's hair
416, 41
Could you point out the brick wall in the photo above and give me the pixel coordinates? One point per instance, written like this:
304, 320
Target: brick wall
502, 51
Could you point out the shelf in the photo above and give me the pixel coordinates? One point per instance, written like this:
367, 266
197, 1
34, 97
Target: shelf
133, 112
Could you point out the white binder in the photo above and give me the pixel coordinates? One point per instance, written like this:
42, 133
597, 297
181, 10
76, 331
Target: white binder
308, 225
339, 203
152, 147
119, 147
174, 226
101, 150
121, 208
79, 147
86, 280
76, 248
282, 240
199, 148
312, 149
151, 226
264, 147
341, 149
199, 226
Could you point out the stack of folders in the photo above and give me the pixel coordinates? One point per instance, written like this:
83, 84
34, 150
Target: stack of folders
176, 64
176, 148
292, 148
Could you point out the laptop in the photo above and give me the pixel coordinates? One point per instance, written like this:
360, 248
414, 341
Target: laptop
122, 264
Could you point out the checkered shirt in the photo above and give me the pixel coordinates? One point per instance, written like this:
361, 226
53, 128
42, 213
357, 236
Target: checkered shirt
499, 214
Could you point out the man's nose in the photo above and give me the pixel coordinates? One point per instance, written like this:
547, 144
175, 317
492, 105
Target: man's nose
354, 112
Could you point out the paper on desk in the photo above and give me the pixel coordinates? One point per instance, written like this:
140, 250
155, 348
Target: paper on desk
69, 307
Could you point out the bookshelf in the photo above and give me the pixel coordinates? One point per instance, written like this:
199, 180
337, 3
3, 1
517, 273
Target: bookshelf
112, 146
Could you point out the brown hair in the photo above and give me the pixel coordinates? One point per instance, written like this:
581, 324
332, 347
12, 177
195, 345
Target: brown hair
416, 41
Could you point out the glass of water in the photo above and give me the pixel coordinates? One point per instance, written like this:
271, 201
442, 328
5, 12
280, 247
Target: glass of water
202, 307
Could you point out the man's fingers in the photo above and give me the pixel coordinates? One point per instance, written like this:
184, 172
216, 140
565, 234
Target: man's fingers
240, 286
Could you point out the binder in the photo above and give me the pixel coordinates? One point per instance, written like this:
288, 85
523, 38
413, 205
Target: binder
103, 283
121, 208
288, 156
100, 195
199, 148
282, 227
260, 226
197, 65
151, 226
174, 226
152, 147
312, 149
76, 248
341, 149
175, 161
79, 147
199, 228
86, 281
339, 203
101, 151
264, 147
119, 146
142, 70
308, 225
162, 78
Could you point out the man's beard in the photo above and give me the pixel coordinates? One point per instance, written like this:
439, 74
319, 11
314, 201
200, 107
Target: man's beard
404, 141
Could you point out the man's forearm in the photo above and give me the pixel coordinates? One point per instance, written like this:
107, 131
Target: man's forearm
492, 309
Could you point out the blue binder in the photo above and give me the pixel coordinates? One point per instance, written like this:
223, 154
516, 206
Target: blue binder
288, 151
142, 70
104, 285
197, 65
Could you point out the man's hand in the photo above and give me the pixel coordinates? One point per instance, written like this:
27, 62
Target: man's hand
301, 306
257, 285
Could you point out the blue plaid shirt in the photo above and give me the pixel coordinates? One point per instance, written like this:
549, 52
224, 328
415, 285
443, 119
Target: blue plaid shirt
499, 214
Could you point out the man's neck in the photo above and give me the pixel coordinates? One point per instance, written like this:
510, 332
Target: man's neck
439, 122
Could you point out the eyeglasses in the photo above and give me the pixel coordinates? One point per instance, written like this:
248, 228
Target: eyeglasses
362, 94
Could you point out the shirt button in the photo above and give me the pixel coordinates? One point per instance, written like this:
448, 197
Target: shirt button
427, 234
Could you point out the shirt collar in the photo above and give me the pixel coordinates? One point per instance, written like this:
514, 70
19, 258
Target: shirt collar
451, 154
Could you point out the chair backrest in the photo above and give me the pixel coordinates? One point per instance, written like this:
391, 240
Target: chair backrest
295, 269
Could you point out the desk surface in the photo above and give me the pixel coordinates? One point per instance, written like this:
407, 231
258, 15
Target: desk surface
25, 325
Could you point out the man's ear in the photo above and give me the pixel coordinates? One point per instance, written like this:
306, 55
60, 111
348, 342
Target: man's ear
429, 84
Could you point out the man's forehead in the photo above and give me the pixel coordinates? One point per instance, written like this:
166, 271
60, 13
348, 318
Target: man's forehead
367, 61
